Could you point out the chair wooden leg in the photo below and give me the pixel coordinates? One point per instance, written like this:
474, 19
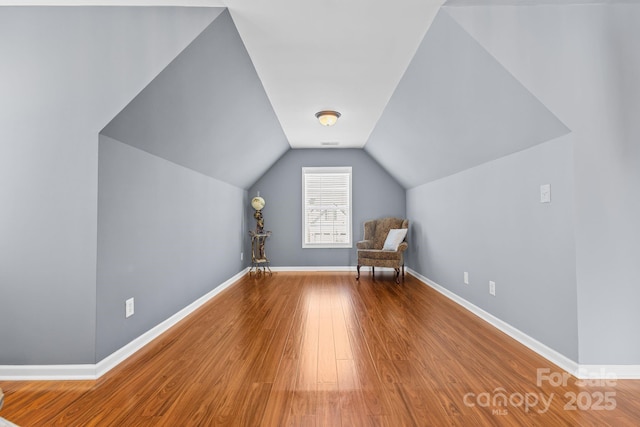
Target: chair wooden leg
358, 276
403, 271
397, 275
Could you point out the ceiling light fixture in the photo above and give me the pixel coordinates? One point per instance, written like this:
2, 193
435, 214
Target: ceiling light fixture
327, 117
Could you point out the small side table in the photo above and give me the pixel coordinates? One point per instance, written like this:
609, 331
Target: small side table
259, 260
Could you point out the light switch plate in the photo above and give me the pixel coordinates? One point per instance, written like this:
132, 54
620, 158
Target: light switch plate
545, 193
128, 308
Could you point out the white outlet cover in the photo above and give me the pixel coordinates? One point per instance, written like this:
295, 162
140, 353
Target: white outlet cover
492, 288
545, 193
466, 277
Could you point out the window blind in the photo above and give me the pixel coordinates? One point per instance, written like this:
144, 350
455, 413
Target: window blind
327, 207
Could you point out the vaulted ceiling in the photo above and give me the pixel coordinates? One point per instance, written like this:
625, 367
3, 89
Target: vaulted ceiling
415, 90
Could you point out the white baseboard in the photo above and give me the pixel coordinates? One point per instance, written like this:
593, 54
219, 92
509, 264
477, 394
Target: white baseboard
615, 372
353, 268
95, 371
563, 362
314, 268
92, 372
47, 372
6, 423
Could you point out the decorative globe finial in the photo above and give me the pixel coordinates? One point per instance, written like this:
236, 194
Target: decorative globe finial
258, 203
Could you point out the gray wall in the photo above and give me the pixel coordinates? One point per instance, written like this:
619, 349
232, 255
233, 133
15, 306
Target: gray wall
171, 203
582, 61
473, 146
207, 111
489, 221
166, 236
65, 72
456, 107
375, 194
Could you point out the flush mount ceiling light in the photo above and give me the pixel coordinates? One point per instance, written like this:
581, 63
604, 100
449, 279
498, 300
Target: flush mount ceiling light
327, 117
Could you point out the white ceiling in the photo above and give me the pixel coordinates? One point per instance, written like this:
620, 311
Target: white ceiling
341, 55
310, 56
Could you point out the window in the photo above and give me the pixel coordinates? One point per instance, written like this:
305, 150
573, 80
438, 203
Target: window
326, 207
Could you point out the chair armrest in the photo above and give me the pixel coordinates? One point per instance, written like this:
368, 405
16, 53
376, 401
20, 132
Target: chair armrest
364, 244
403, 247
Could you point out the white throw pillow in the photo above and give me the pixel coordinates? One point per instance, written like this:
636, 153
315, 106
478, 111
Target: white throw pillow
394, 238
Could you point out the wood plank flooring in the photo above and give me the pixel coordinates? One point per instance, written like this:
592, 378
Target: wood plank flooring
320, 349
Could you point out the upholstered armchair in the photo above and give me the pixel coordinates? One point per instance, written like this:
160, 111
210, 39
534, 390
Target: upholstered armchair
373, 252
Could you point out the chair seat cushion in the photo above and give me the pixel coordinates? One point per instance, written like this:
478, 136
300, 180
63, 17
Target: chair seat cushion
379, 254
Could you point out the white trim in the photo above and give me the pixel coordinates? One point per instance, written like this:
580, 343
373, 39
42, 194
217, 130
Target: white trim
314, 268
177, 3
6, 423
617, 372
546, 352
353, 268
363, 268
563, 362
92, 372
47, 372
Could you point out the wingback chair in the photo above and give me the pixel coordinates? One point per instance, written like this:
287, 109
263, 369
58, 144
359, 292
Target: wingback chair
370, 252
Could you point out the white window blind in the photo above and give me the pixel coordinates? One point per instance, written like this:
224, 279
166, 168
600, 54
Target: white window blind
326, 207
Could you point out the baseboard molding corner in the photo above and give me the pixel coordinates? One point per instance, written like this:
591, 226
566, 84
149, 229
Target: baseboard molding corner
607, 372
95, 371
551, 355
117, 357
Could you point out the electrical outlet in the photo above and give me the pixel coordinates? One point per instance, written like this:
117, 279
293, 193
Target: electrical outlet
492, 288
241, 256
466, 277
128, 308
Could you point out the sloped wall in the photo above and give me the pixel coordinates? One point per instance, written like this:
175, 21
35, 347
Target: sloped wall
167, 235
456, 107
473, 147
171, 199
582, 61
207, 111
489, 222
65, 72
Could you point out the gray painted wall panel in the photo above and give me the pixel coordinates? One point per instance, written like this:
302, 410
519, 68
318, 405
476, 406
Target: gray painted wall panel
489, 221
456, 107
207, 111
166, 236
582, 61
65, 72
375, 194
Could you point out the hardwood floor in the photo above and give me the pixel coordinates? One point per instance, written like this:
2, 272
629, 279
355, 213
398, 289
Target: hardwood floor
320, 349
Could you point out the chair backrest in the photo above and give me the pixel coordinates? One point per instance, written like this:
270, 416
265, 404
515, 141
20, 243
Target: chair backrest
377, 229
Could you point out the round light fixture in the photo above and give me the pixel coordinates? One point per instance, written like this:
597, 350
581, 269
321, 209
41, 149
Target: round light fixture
327, 117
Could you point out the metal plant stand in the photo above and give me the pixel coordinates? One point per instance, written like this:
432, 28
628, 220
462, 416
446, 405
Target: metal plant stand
259, 260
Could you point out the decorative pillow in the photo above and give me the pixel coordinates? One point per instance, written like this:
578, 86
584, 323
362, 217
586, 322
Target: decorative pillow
394, 238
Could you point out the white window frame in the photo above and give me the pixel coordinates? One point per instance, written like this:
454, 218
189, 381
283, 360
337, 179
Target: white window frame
326, 170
